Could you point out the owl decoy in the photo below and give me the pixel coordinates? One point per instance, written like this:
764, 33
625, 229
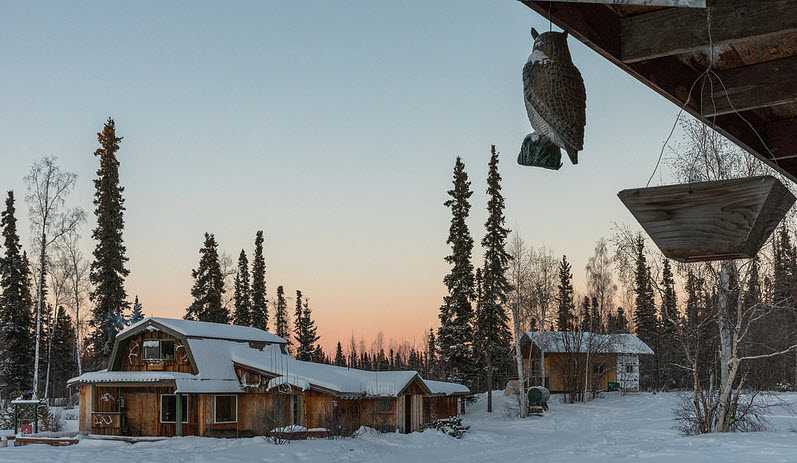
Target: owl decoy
555, 98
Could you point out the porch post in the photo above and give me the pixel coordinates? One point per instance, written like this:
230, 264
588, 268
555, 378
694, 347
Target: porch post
178, 425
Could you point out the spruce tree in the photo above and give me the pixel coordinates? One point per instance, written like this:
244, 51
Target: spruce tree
108, 270
564, 299
297, 322
645, 314
586, 315
242, 298
431, 354
259, 317
669, 353
16, 303
62, 353
353, 358
455, 336
306, 332
281, 315
137, 313
208, 286
340, 359
492, 324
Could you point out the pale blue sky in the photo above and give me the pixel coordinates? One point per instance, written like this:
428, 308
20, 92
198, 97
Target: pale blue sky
333, 126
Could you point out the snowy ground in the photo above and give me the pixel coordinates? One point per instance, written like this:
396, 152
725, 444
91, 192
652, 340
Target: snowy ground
636, 428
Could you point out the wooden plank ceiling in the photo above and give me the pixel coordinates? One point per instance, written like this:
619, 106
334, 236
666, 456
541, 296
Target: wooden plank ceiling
755, 55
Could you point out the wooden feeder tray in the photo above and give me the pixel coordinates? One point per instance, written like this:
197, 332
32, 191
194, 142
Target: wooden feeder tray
719, 220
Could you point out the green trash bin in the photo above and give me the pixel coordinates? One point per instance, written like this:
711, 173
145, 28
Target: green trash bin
613, 386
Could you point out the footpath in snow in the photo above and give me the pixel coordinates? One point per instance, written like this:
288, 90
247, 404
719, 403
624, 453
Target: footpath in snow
636, 428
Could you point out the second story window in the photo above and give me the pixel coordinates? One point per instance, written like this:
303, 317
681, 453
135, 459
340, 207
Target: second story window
155, 349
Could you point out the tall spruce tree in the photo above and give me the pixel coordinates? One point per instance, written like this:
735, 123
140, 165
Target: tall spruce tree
492, 324
304, 330
208, 286
455, 336
108, 270
645, 314
564, 299
669, 352
242, 297
281, 315
16, 303
259, 304
137, 313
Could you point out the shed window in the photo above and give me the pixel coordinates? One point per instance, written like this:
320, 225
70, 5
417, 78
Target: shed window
629, 368
169, 408
383, 405
225, 409
155, 349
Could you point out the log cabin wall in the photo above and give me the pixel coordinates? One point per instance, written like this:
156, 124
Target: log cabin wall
439, 407
379, 413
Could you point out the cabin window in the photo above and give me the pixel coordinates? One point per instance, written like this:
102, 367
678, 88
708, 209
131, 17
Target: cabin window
225, 409
629, 368
158, 350
383, 406
169, 408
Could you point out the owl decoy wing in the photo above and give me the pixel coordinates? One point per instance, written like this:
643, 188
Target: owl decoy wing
557, 93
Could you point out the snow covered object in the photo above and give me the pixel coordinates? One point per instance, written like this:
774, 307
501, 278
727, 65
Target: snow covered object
556, 102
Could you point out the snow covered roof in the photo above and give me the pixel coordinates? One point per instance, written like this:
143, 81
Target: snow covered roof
583, 341
444, 388
195, 329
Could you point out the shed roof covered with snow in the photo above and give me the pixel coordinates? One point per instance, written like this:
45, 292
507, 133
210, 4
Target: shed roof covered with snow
584, 341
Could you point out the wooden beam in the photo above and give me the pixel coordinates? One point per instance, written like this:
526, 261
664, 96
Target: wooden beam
751, 87
672, 3
682, 30
782, 139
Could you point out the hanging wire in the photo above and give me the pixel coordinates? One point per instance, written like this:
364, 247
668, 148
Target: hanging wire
710, 73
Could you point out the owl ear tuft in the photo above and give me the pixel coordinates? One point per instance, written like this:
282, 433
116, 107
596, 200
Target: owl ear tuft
534, 33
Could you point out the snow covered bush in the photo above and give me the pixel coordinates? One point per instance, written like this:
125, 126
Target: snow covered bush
7, 416
452, 426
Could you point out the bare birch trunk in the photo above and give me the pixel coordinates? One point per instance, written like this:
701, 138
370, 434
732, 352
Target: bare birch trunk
39, 310
728, 364
522, 398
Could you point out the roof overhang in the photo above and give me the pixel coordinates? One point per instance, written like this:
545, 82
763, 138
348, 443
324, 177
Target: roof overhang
667, 48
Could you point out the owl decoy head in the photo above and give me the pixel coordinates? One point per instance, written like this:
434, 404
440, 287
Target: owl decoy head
551, 45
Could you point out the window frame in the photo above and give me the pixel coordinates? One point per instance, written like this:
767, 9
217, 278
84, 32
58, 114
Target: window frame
144, 354
160, 356
185, 410
384, 401
215, 408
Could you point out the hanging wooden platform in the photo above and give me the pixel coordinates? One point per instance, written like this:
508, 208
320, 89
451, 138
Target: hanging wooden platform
727, 219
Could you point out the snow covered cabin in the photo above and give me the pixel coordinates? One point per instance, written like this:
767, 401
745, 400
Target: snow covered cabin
172, 377
613, 360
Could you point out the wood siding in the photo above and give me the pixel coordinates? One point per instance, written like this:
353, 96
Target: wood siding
131, 354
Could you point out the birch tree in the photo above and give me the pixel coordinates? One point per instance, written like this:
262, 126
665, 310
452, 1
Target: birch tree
77, 270
48, 188
519, 300
544, 278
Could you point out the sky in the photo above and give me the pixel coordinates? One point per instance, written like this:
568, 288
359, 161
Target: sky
332, 126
